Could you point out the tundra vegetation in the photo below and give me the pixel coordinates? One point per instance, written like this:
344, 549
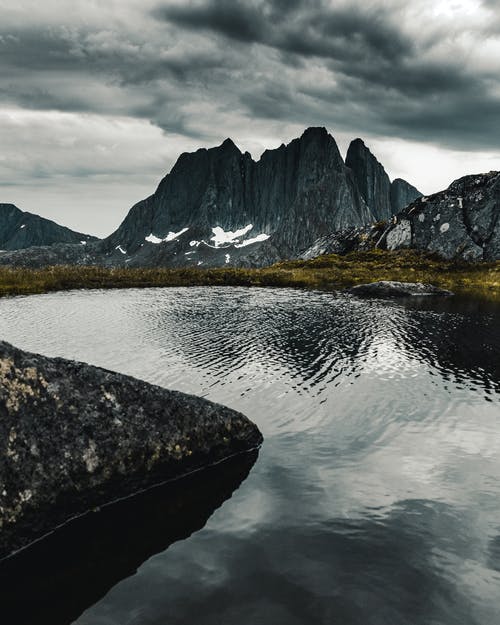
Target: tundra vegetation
324, 272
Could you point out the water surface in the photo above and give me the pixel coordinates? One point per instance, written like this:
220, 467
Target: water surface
375, 498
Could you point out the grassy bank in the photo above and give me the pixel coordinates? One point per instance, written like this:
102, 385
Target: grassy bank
324, 272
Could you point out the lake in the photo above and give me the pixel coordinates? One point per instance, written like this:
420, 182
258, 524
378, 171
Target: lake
375, 499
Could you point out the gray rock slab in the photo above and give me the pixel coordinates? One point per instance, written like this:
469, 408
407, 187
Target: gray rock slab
74, 436
388, 288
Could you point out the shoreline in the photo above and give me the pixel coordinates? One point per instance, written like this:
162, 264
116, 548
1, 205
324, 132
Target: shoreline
329, 272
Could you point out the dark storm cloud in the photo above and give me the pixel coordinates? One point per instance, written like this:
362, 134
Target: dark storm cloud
377, 66
306, 27
393, 70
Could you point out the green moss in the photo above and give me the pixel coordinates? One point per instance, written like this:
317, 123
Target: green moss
324, 272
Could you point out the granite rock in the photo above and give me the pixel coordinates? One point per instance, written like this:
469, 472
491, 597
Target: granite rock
73, 437
388, 288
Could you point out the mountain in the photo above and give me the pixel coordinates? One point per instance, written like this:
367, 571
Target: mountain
383, 198
19, 230
462, 222
219, 207
402, 194
291, 195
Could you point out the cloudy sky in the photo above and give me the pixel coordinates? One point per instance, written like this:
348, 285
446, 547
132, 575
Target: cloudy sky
98, 98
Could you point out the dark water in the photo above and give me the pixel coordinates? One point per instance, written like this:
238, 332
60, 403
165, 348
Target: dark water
375, 499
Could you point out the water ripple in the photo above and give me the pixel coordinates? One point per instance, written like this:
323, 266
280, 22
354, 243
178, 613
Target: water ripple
379, 473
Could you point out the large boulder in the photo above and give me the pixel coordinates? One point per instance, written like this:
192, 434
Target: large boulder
73, 437
462, 222
71, 569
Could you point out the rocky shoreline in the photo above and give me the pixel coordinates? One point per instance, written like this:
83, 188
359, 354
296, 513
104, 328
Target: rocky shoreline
74, 437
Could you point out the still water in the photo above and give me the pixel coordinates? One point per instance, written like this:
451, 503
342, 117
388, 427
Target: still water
375, 499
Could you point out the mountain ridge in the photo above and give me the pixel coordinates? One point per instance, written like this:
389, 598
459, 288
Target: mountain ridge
21, 230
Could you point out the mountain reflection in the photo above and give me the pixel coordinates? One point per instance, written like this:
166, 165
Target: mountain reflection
315, 339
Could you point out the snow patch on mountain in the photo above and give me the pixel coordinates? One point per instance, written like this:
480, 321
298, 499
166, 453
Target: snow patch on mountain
171, 236
220, 236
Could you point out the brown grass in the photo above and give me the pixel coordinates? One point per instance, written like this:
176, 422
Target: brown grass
324, 272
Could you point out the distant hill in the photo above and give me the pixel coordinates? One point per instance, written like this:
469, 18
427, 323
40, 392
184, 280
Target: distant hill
20, 230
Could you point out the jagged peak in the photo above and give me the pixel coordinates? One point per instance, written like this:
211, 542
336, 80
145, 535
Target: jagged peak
358, 146
319, 132
229, 144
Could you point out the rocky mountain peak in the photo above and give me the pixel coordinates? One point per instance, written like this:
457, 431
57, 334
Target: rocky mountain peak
20, 230
371, 179
229, 145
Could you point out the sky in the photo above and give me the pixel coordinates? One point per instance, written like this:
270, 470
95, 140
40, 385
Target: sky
98, 99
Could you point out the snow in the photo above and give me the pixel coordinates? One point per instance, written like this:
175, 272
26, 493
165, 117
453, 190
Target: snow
171, 236
120, 248
23, 226
444, 228
194, 243
461, 202
228, 258
152, 239
220, 236
421, 217
83, 242
257, 239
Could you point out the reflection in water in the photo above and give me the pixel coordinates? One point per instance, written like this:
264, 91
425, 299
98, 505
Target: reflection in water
376, 497
54, 580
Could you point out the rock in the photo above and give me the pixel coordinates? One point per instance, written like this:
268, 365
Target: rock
462, 222
371, 178
19, 230
263, 211
345, 241
71, 569
56, 254
73, 437
388, 288
399, 237
402, 194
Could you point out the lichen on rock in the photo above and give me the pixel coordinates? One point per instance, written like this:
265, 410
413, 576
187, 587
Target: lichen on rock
73, 437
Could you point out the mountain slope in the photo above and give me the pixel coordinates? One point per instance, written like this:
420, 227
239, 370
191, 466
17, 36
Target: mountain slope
461, 222
383, 198
219, 207
402, 194
290, 196
20, 230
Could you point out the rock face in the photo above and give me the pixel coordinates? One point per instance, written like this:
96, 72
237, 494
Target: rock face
462, 222
371, 178
388, 288
291, 196
345, 241
219, 207
383, 198
402, 194
19, 230
73, 437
